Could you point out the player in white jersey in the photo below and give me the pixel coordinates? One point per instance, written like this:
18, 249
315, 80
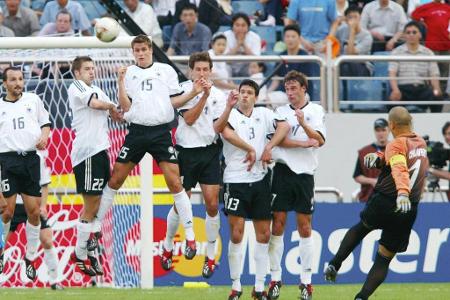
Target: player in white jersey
247, 150
148, 93
293, 180
46, 234
90, 109
24, 128
199, 149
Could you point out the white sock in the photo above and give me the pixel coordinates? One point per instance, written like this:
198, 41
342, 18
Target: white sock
234, 261
51, 261
105, 202
212, 231
306, 246
173, 220
32, 234
261, 261
96, 225
276, 248
83, 232
184, 208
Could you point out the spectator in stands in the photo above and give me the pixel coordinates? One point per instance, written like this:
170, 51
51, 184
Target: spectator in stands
226, 12
256, 71
164, 10
22, 20
80, 21
220, 71
413, 4
315, 18
241, 41
273, 11
145, 17
414, 87
354, 40
385, 20
62, 26
366, 177
441, 174
189, 35
341, 6
359, 3
436, 16
292, 39
4, 31
208, 11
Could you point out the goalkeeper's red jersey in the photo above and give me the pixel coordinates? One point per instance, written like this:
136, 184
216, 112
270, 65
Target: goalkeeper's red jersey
405, 167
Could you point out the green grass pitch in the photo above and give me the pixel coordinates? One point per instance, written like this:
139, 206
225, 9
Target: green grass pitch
416, 291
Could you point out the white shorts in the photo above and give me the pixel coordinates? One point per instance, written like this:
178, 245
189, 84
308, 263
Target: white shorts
45, 171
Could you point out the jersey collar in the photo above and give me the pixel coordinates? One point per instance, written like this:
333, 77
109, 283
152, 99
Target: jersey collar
6, 100
147, 67
293, 108
245, 114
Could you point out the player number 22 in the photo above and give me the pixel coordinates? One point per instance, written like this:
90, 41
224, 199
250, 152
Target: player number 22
232, 203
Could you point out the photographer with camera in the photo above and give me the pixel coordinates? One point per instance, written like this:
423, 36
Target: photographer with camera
438, 157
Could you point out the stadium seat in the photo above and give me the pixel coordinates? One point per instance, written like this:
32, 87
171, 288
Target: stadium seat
369, 90
267, 34
248, 7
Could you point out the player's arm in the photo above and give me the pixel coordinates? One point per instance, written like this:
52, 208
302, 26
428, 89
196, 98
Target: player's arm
95, 103
180, 100
222, 121
191, 115
233, 138
310, 132
396, 158
282, 129
44, 122
290, 143
124, 100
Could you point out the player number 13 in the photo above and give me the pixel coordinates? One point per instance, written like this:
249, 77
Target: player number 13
232, 204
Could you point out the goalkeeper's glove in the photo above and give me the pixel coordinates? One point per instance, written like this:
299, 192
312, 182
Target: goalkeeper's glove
372, 160
403, 203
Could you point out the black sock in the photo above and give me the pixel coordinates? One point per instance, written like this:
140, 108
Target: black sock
351, 239
376, 276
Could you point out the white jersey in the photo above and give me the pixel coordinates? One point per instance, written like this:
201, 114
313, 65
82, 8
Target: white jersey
21, 122
90, 125
301, 160
254, 130
150, 90
201, 133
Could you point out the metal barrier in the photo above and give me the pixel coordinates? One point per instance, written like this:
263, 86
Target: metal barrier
377, 58
276, 58
196, 191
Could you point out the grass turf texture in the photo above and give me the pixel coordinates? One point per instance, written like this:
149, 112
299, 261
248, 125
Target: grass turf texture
416, 291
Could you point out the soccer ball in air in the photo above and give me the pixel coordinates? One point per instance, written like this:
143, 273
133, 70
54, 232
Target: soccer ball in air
107, 29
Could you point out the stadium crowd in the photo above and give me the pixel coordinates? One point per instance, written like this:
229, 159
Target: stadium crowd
257, 27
